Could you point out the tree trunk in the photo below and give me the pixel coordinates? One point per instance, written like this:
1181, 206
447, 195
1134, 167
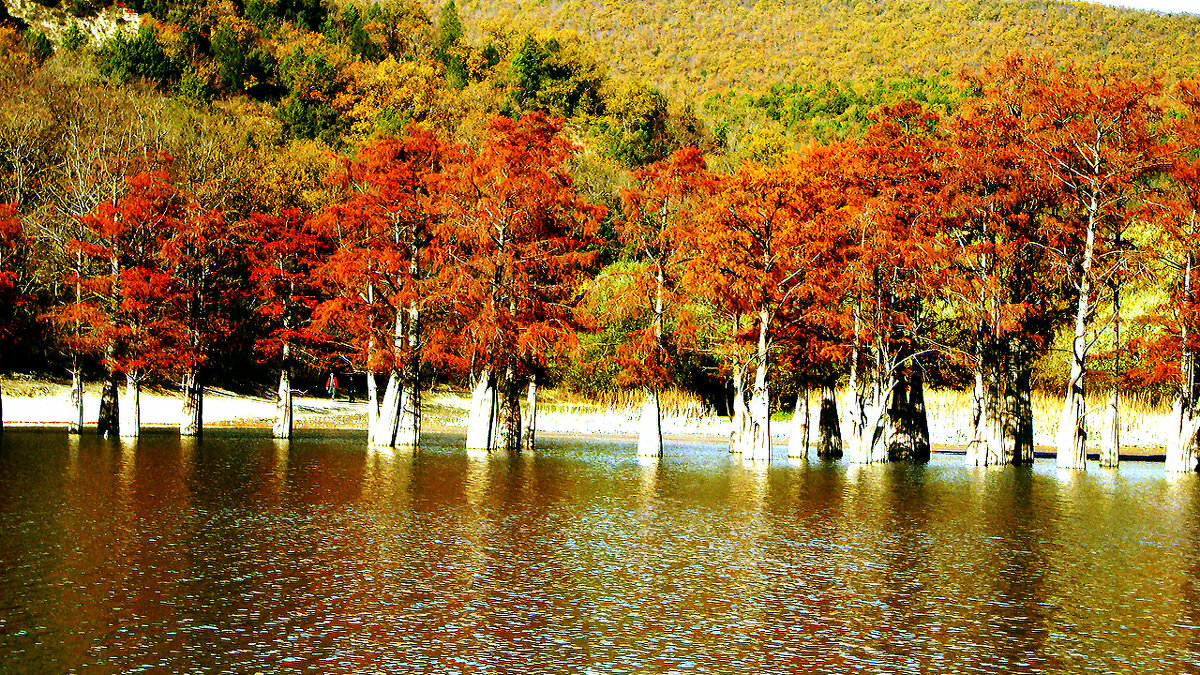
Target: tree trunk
191, 423
867, 445
1181, 441
739, 432
759, 447
650, 442
978, 449
110, 414
408, 422
508, 428
75, 424
798, 434
1, 405
408, 431
529, 430
1072, 423
1182, 453
131, 415
387, 423
283, 406
868, 437
758, 442
829, 445
481, 418
1110, 440
995, 433
1020, 402
908, 439
372, 407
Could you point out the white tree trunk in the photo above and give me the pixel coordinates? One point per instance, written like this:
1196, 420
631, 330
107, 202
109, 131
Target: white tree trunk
408, 424
758, 442
868, 438
193, 406
977, 448
283, 407
481, 418
75, 424
372, 407
798, 434
1181, 440
739, 431
529, 428
650, 443
131, 407
1072, 422
387, 423
1110, 440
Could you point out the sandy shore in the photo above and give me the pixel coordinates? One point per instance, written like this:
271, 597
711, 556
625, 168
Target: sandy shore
41, 403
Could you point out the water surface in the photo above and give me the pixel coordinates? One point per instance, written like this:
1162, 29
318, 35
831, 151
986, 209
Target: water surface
243, 554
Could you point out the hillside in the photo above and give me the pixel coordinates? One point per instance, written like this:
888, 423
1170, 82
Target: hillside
700, 47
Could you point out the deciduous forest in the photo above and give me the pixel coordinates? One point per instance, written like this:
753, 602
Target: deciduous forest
254, 192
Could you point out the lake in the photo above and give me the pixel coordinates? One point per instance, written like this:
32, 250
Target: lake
238, 553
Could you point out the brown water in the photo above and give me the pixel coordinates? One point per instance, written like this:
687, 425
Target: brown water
240, 554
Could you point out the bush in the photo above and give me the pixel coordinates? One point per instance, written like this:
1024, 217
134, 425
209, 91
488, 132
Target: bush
74, 38
123, 57
38, 46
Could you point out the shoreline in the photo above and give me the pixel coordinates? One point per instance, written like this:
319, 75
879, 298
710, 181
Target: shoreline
31, 404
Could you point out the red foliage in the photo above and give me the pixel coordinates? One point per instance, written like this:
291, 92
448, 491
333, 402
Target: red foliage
385, 251
517, 245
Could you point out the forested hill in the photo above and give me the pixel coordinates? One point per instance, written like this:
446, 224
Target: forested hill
706, 46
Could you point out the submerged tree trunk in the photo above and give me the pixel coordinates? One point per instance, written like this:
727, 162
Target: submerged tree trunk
991, 445
131, 414
1182, 455
481, 418
1110, 441
283, 406
529, 429
650, 442
829, 427
508, 428
191, 423
107, 422
868, 437
387, 422
740, 419
1020, 402
908, 437
1072, 422
372, 407
759, 442
75, 424
1003, 409
798, 434
408, 421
